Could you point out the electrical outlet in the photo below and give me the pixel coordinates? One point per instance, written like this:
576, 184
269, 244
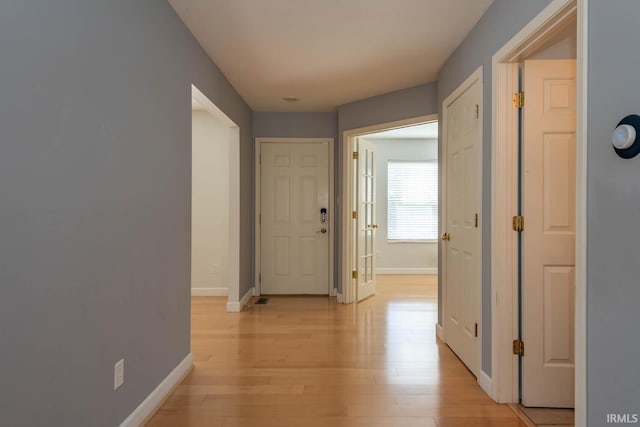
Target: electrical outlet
118, 374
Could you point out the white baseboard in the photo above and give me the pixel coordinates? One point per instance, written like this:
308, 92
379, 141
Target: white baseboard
149, 405
431, 270
236, 307
486, 383
339, 298
440, 333
334, 292
209, 292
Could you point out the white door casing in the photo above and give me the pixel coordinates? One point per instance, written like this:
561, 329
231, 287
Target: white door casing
504, 266
367, 226
294, 242
462, 138
548, 239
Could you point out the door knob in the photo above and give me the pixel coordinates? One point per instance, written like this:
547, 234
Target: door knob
446, 237
375, 226
322, 230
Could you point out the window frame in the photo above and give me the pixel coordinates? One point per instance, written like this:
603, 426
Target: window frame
435, 239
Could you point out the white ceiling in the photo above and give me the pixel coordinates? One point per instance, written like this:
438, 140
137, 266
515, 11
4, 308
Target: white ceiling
425, 131
327, 52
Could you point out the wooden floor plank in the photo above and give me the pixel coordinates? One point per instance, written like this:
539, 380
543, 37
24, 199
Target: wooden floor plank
308, 361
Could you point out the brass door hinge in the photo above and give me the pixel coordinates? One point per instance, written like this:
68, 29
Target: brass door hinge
476, 333
518, 100
354, 214
476, 220
477, 111
518, 223
354, 274
355, 155
518, 347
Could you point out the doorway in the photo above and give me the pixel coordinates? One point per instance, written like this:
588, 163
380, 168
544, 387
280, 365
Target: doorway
294, 216
550, 191
390, 217
215, 182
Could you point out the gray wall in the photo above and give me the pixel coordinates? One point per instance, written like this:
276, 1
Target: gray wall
400, 105
501, 22
295, 125
613, 208
95, 121
403, 104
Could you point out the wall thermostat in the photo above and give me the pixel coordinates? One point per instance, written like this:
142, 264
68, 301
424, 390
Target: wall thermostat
625, 137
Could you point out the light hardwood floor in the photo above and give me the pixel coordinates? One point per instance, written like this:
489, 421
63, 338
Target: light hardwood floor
310, 362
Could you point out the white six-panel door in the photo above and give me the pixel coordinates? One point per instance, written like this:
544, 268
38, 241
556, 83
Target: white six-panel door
462, 279
294, 187
548, 239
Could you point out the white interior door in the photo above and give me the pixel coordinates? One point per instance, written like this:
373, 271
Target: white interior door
548, 239
461, 238
294, 188
367, 226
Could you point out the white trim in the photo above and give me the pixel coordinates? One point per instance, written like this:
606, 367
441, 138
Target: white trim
332, 213
334, 292
234, 216
476, 76
339, 298
152, 403
210, 107
440, 333
347, 244
504, 315
209, 292
581, 220
428, 270
486, 383
504, 192
539, 30
234, 193
236, 307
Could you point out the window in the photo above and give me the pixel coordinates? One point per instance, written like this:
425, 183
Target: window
412, 205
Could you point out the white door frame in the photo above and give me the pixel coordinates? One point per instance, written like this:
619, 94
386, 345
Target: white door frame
348, 295
504, 201
332, 215
233, 298
441, 331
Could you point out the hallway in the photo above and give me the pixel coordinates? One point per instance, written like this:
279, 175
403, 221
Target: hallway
307, 361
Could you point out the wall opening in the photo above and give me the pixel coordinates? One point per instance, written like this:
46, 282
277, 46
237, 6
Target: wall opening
214, 202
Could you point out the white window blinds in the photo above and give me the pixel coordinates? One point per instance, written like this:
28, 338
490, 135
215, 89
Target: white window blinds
412, 205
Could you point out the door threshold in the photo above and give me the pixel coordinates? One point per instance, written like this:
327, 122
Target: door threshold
536, 417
